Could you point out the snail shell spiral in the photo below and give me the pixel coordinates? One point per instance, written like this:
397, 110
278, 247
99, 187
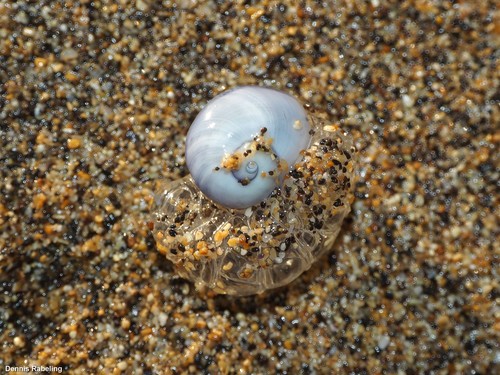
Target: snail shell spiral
242, 143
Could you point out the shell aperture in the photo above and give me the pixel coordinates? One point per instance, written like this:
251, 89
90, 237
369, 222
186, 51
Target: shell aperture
241, 144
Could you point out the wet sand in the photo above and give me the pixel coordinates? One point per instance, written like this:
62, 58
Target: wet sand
95, 101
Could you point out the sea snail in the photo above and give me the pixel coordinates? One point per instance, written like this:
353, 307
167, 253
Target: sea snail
268, 189
241, 144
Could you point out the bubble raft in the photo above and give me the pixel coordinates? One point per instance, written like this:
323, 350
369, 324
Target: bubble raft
243, 252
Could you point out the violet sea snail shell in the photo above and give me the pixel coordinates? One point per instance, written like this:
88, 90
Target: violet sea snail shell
268, 189
239, 146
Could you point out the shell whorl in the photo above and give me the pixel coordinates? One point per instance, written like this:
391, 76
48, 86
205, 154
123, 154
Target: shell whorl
242, 143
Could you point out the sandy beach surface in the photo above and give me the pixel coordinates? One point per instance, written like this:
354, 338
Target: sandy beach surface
96, 98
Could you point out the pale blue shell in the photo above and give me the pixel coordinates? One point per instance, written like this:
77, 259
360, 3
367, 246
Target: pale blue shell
226, 124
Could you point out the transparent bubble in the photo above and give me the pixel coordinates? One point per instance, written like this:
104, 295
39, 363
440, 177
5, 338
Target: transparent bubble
248, 251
